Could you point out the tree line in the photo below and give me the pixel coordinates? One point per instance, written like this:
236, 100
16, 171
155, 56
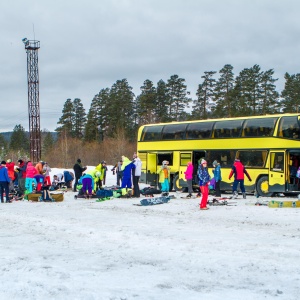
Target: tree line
219, 95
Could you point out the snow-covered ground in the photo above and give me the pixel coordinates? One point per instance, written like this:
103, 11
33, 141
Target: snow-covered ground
82, 249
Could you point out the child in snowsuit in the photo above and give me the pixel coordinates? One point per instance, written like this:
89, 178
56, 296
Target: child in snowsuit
164, 177
217, 177
204, 179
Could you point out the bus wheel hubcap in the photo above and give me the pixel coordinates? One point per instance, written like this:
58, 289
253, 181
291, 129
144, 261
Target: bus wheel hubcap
264, 187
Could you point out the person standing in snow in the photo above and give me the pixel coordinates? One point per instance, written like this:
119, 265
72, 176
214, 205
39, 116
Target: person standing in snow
136, 174
204, 179
188, 174
164, 178
127, 167
217, 177
4, 182
78, 170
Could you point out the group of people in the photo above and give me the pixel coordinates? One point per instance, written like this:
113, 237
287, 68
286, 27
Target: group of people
238, 170
128, 175
23, 176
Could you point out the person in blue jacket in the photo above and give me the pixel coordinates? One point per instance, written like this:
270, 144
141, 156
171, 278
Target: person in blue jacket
4, 182
217, 177
126, 168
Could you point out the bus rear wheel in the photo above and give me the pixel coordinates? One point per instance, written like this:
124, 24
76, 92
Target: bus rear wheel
176, 185
262, 187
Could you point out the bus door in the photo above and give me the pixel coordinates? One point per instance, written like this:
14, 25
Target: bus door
277, 171
179, 179
151, 176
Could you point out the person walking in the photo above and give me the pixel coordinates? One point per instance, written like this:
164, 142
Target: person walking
204, 179
217, 177
78, 170
189, 178
136, 174
4, 182
238, 170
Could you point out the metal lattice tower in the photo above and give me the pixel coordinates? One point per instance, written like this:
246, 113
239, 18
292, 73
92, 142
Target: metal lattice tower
32, 48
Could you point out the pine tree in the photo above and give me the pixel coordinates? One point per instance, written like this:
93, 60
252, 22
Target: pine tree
19, 140
205, 93
291, 93
162, 103
79, 118
67, 119
177, 95
269, 95
120, 110
248, 86
146, 103
224, 93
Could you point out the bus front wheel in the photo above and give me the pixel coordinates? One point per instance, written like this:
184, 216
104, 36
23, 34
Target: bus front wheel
176, 185
262, 187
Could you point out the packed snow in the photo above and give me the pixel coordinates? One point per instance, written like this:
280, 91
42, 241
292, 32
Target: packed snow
83, 249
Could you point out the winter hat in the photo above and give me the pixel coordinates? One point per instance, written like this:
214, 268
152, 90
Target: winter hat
79, 160
9, 160
3, 162
20, 161
103, 162
215, 163
203, 161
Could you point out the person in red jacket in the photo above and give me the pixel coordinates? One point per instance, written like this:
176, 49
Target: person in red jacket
238, 170
11, 173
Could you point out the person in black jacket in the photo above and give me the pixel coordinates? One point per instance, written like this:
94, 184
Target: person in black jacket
78, 170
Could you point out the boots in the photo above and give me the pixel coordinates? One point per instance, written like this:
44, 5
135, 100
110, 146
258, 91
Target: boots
244, 195
235, 195
189, 196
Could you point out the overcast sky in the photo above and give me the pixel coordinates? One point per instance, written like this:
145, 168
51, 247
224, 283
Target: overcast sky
89, 45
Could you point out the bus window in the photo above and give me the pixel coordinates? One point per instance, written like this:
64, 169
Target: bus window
253, 158
277, 161
289, 128
225, 157
259, 127
228, 129
199, 130
174, 132
152, 133
165, 156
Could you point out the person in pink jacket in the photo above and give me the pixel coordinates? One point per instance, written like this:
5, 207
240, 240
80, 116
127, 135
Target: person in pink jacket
30, 172
189, 178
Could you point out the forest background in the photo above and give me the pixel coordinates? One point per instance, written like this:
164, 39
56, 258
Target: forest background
109, 129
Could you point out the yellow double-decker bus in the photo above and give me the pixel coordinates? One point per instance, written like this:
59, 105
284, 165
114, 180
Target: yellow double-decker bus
268, 146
